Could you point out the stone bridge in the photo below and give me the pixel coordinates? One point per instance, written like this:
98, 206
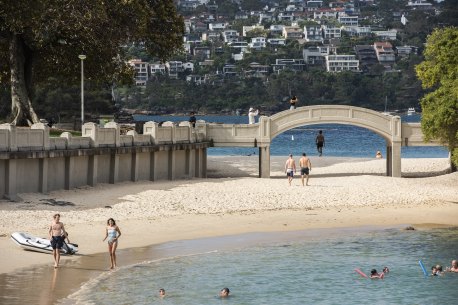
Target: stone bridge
395, 133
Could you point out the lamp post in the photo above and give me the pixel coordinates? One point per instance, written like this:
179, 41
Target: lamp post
82, 57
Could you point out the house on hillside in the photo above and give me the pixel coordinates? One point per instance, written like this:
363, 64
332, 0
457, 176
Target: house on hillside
339, 63
141, 71
315, 56
288, 64
292, 32
366, 56
385, 53
313, 33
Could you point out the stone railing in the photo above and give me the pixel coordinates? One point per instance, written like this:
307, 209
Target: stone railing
36, 138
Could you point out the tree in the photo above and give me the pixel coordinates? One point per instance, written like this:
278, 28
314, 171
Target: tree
43, 38
439, 72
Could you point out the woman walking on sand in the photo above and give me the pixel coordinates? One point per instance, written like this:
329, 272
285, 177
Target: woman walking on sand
112, 233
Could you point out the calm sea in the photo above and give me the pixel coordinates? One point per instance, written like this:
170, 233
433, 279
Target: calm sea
306, 267
341, 140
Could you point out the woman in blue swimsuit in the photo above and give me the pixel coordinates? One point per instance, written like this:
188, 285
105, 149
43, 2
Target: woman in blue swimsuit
112, 233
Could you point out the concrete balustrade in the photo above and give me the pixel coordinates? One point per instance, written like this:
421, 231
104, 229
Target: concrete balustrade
32, 161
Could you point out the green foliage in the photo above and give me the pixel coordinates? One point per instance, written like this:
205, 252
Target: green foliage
48, 36
439, 72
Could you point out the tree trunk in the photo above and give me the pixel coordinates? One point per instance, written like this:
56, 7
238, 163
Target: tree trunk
21, 106
452, 159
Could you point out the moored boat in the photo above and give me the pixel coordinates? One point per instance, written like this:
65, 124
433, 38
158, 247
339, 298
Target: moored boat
411, 111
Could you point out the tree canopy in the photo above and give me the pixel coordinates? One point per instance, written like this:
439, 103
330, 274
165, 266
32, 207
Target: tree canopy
43, 38
439, 72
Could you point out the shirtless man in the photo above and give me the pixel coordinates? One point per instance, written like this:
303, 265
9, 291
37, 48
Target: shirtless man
290, 168
454, 267
320, 142
56, 235
306, 167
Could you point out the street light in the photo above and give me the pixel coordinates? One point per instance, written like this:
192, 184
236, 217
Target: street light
82, 57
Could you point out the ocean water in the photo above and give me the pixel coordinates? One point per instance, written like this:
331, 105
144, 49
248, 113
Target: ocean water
307, 267
341, 140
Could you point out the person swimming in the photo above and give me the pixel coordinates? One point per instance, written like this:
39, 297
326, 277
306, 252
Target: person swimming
376, 275
224, 293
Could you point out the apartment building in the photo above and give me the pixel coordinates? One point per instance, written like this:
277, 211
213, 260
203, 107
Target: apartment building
257, 43
313, 33
330, 32
316, 55
338, 63
157, 68
141, 71
174, 68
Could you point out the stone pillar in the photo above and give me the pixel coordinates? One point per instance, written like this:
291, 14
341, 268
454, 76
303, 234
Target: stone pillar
150, 128
10, 179
117, 130
396, 159
264, 162
171, 163
69, 167
114, 168
396, 142
45, 129
197, 165
152, 166
135, 163
43, 175
204, 163
92, 170
191, 160
388, 161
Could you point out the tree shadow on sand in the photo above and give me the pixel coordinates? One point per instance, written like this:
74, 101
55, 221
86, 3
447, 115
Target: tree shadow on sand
54, 202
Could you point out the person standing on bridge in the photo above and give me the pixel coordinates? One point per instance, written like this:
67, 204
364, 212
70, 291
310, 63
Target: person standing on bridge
252, 113
292, 102
290, 168
320, 142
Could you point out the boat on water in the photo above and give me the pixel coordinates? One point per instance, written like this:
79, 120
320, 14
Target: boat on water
411, 111
33, 243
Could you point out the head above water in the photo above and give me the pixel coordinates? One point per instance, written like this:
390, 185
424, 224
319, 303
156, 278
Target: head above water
224, 292
162, 292
373, 271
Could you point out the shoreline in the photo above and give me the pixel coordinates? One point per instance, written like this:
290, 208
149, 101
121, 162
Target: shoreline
344, 193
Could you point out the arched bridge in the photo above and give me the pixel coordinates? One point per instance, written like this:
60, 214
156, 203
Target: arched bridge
395, 133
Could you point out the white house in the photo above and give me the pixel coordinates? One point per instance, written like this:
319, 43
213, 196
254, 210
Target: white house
313, 33
157, 68
386, 35
141, 71
217, 26
330, 32
338, 63
258, 43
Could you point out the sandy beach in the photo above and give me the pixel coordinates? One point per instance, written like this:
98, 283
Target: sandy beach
343, 192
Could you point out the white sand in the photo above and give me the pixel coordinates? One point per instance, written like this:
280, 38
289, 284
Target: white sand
352, 193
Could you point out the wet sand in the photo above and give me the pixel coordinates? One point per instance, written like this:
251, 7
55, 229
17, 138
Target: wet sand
343, 193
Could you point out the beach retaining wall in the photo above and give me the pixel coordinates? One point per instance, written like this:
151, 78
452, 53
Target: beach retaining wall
32, 161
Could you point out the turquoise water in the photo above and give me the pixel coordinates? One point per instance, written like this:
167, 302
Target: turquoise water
341, 140
309, 267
